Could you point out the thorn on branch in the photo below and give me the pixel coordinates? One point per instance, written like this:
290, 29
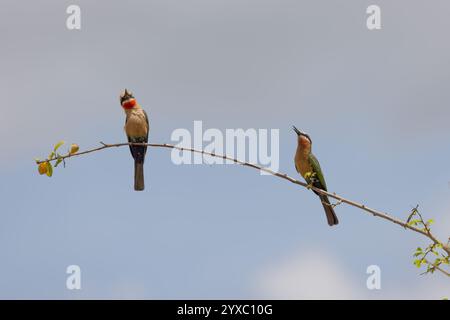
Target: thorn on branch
334, 205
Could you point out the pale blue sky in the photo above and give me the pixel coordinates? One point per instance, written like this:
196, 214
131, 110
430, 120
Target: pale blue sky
376, 104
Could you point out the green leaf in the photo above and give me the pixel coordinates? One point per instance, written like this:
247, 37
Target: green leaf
58, 162
59, 144
418, 252
51, 155
413, 222
49, 169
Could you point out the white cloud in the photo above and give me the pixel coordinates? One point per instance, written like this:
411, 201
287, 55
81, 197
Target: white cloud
314, 275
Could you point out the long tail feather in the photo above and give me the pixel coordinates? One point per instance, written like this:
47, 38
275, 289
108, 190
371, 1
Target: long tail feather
138, 176
329, 211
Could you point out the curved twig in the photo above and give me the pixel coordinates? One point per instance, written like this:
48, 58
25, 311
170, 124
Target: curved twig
425, 232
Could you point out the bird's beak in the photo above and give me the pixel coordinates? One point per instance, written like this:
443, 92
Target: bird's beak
298, 132
126, 92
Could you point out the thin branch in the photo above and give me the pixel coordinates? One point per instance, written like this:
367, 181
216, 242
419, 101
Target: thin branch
436, 267
442, 270
425, 232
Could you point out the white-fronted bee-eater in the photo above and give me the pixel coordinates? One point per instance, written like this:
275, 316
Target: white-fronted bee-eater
308, 166
136, 128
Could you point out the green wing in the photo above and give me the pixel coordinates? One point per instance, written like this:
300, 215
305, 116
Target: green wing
320, 180
148, 126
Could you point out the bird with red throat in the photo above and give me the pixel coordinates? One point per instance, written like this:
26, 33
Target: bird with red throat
136, 129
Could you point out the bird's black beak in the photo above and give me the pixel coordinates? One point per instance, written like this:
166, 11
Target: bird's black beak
298, 132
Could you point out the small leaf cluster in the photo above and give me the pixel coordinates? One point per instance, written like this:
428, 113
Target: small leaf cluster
435, 249
46, 167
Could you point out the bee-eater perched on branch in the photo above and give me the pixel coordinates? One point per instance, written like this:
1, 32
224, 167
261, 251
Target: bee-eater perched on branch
136, 128
308, 166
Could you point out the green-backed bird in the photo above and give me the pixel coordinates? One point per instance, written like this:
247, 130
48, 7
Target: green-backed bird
136, 128
308, 166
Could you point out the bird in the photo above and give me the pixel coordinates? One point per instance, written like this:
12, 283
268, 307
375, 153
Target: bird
137, 129
309, 168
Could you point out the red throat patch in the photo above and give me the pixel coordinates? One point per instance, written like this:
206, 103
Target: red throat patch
129, 104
